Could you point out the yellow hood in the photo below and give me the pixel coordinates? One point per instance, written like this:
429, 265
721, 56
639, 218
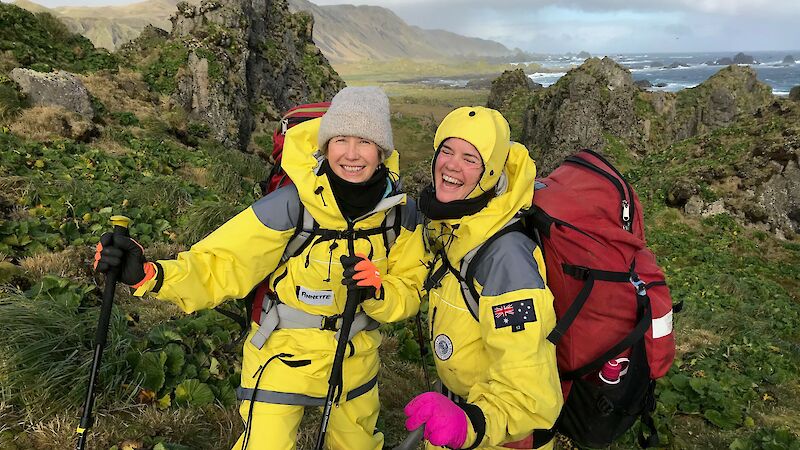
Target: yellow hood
459, 236
300, 153
488, 131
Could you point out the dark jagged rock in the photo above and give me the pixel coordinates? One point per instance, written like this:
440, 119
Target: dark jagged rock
584, 55
723, 62
788, 59
680, 192
741, 58
794, 94
718, 101
643, 84
479, 83
237, 65
676, 65
587, 103
509, 84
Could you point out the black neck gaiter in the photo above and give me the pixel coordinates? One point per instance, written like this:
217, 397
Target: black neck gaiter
357, 199
435, 210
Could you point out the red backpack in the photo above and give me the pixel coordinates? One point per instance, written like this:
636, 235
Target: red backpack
614, 333
297, 115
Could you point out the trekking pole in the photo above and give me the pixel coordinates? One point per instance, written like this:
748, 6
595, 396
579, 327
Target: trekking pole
120, 228
412, 440
335, 380
423, 351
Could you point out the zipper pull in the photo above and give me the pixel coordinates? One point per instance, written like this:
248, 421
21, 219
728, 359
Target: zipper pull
284, 126
626, 215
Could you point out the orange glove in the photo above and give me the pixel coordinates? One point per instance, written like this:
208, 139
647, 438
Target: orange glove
360, 272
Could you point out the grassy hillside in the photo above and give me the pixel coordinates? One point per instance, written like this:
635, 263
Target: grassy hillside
48, 43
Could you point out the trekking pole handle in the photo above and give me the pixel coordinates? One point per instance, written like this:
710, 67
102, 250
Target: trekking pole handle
120, 228
412, 440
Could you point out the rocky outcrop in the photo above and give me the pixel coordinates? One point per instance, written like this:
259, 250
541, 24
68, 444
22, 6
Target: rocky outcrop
244, 63
584, 55
741, 58
794, 94
749, 171
60, 88
593, 100
643, 84
788, 59
509, 84
718, 101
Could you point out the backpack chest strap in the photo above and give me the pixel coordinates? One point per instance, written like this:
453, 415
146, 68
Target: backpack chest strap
276, 315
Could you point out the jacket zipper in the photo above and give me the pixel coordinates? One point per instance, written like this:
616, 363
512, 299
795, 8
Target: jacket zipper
625, 205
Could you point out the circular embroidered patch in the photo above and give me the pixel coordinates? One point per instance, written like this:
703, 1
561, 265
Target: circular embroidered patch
443, 347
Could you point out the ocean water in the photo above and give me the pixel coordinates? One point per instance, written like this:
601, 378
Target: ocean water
694, 70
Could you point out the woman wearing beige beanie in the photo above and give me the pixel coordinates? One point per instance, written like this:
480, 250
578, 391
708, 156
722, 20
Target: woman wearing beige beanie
345, 197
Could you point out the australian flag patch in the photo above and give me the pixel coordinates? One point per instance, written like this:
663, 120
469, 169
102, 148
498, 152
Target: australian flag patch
514, 314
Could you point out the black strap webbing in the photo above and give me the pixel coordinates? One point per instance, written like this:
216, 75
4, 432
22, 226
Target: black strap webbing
645, 322
590, 276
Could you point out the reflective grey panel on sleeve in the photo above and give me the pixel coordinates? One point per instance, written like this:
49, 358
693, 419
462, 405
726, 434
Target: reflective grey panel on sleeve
279, 210
410, 215
508, 265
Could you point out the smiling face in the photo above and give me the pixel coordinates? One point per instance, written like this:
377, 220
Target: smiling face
352, 158
457, 170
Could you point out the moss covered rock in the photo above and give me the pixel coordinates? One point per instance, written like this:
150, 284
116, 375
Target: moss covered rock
236, 65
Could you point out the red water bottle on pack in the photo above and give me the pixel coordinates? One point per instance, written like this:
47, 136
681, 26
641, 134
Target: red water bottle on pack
614, 370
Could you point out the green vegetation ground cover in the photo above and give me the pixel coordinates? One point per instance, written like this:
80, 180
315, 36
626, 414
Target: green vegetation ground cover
47, 44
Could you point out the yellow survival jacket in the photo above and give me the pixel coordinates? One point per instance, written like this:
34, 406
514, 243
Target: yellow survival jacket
498, 361
248, 248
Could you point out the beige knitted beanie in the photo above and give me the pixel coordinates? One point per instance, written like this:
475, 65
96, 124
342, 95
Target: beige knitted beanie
362, 112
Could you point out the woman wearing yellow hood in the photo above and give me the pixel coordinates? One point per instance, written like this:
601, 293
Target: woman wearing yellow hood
498, 371
344, 170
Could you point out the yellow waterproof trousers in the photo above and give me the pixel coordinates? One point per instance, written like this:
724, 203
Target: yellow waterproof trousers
274, 426
351, 425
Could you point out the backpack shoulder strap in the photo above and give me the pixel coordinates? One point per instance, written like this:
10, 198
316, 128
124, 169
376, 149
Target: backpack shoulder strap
391, 226
303, 232
471, 261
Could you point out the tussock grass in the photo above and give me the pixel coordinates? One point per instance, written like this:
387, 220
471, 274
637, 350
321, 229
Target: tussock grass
46, 354
72, 262
123, 91
162, 191
206, 217
45, 123
206, 428
227, 179
248, 166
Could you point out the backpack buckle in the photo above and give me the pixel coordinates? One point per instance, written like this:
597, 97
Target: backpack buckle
331, 323
577, 272
639, 285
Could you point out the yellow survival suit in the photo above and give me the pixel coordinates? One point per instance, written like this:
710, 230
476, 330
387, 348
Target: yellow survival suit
292, 365
495, 359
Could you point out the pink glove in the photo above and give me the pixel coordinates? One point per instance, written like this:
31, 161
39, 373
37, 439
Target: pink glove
445, 423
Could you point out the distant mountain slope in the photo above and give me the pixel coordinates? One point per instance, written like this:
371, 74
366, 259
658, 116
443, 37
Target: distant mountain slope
110, 26
350, 33
342, 32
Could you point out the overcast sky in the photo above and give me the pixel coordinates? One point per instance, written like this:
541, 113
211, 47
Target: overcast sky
606, 26
598, 26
